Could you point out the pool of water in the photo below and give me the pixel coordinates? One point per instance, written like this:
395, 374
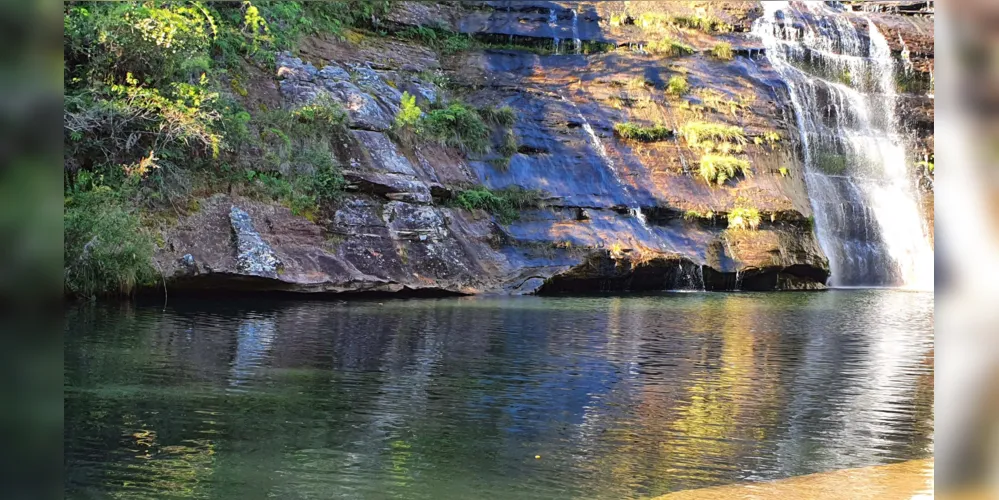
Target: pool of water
582, 397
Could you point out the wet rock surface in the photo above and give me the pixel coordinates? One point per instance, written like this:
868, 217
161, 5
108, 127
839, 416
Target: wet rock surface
615, 217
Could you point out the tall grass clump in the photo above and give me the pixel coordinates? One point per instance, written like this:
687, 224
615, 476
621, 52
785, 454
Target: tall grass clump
744, 218
723, 51
669, 47
715, 168
106, 249
695, 132
677, 86
641, 133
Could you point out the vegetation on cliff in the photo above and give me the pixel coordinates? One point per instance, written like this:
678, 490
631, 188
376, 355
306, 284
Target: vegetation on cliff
152, 117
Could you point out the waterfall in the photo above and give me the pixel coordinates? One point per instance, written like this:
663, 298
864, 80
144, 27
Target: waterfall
594, 140
576, 42
553, 23
841, 82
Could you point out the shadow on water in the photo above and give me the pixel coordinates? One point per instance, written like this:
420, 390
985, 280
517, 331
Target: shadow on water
620, 397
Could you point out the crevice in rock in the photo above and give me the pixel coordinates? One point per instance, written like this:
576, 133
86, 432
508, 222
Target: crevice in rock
602, 272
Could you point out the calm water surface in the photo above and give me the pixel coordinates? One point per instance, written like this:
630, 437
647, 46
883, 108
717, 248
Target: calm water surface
621, 397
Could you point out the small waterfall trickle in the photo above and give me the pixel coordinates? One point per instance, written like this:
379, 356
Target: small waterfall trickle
509, 20
841, 82
594, 140
906, 60
577, 44
553, 24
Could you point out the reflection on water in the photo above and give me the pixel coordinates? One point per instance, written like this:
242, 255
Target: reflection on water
621, 397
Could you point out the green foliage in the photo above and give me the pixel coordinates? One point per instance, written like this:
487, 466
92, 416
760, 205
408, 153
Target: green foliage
106, 249
506, 204
503, 116
693, 215
641, 133
156, 42
677, 86
621, 19
744, 218
457, 126
722, 50
659, 22
705, 23
831, 164
440, 39
409, 113
508, 147
715, 168
696, 132
669, 47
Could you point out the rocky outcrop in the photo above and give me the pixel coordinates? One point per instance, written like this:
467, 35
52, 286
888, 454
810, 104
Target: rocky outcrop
615, 219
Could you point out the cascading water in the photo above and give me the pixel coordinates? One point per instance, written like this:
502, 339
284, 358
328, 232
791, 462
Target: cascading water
842, 88
577, 44
553, 24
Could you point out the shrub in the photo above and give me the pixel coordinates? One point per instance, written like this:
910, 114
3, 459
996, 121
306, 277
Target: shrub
669, 47
409, 113
695, 132
106, 249
744, 218
456, 126
677, 86
720, 168
505, 204
722, 51
641, 133
156, 42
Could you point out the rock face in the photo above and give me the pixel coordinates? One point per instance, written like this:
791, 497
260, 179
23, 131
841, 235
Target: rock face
622, 215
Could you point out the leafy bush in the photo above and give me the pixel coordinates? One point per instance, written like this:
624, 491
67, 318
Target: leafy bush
695, 132
722, 51
409, 113
641, 133
744, 218
505, 204
156, 42
106, 249
720, 168
677, 86
669, 47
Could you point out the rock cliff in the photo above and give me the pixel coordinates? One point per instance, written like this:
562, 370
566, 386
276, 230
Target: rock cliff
619, 214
